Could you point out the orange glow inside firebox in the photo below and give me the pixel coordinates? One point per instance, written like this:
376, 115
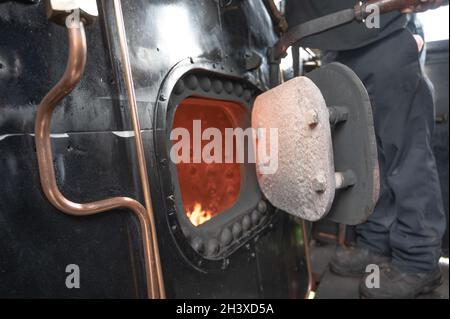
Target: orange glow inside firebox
208, 189
198, 215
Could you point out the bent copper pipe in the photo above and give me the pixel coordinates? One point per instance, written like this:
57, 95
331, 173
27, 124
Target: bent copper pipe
128, 76
278, 18
74, 70
311, 284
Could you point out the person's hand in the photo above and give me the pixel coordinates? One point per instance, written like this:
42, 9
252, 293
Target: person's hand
424, 6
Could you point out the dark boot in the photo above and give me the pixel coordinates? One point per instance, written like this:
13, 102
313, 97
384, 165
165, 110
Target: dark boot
352, 261
397, 284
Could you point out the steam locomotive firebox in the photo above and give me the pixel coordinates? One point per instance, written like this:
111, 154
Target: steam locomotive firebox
207, 189
216, 205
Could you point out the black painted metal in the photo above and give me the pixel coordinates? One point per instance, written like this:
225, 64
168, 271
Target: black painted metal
94, 153
354, 144
245, 210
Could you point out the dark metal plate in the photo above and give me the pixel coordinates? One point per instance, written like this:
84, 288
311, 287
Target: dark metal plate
354, 143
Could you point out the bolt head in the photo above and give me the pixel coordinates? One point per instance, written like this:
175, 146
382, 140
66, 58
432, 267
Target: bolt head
319, 184
313, 118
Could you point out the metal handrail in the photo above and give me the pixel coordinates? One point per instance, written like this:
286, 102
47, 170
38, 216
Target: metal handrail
128, 76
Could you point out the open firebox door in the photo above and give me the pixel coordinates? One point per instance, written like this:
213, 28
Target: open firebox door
326, 154
326, 158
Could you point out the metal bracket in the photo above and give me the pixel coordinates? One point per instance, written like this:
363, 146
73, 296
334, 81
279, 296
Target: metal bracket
58, 10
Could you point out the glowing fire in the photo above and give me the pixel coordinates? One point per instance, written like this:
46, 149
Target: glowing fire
198, 216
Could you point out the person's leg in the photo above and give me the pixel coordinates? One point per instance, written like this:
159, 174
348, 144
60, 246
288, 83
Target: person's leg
408, 217
378, 67
419, 223
410, 206
374, 233
372, 236
416, 234
372, 242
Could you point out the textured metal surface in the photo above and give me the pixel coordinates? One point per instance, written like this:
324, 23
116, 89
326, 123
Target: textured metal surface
94, 152
303, 183
354, 144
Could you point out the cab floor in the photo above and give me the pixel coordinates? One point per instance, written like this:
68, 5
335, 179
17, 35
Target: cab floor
331, 286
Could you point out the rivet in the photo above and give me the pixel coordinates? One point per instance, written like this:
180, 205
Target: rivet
312, 118
231, 190
197, 244
246, 223
255, 217
217, 86
226, 236
237, 230
238, 89
247, 95
205, 84
319, 184
228, 86
213, 247
191, 82
179, 87
262, 206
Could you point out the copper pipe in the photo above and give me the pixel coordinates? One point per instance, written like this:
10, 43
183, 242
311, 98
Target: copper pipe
278, 18
342, 232
311, 283
126, 68
74, 70
328, 236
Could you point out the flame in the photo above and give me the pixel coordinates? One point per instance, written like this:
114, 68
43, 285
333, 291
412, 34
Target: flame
198, 216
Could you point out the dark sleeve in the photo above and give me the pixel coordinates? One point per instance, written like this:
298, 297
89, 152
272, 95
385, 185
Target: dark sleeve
349, 36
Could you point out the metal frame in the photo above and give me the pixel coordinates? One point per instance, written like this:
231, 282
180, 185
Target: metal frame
209, 233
